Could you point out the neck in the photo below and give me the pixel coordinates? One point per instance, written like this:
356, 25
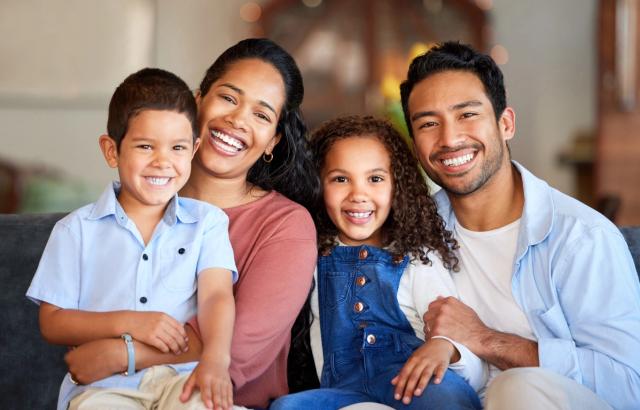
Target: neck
497, 203
146, 218
221, 192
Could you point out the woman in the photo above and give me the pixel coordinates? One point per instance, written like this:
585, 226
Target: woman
253, 163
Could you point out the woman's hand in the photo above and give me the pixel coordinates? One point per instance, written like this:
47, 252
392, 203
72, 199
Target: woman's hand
96, 360
212, 378
429, 360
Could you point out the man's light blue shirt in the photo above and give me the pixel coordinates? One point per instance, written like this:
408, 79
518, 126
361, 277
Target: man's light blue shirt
95, 260
574, 278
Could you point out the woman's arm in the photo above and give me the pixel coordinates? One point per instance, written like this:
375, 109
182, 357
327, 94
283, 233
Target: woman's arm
273, 289
102, 358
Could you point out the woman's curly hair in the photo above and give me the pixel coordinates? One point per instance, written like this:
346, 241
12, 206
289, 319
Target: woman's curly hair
414, 226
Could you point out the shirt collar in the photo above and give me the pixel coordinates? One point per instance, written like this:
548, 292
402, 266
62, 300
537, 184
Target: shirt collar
108, 204
537, 215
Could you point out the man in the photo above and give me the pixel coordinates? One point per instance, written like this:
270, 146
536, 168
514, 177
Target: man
549, 295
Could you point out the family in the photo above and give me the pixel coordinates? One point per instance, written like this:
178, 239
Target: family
179, 287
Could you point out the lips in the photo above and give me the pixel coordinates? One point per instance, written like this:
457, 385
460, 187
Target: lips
226, 142
158, 181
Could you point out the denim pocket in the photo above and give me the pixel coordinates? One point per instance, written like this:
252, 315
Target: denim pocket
335, 289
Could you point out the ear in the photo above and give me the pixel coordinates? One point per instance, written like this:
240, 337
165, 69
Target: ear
196, 145
198, 96
109, 150
507, 123
272, 144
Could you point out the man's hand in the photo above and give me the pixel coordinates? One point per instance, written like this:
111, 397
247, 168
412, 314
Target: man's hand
429, 360
96, 360
159, 330
212, 378
451, 318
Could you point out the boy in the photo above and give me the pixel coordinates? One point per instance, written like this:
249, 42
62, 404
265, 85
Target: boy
127, 265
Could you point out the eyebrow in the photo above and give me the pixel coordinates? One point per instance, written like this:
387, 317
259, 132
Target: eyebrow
343, 171
241, 92
455, 107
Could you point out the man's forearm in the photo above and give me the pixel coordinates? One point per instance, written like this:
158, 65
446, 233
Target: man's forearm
506, 350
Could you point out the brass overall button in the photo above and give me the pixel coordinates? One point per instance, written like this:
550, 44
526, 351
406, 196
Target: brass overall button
361, 280
358, 307
371, 339
363, 254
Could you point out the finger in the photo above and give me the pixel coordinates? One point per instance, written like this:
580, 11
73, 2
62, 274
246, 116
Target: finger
187, 389
425, 376
205, 393
412, 381
179, 335
171, 339
402, 379
175, 326
229, 390
216, 395
159, 344
438, 375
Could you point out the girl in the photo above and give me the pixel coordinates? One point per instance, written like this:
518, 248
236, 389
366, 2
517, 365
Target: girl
385, 255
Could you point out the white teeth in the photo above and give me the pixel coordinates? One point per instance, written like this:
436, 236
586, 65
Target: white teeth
455, 162
157, 180
359, 214
235, 143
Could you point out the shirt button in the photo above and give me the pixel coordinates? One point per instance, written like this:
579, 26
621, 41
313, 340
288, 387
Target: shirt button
361, 280
143, 300
145, 256
358, 307
181, 251
371, 339
363, 254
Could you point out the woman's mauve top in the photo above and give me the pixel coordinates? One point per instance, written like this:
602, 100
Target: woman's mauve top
274, 242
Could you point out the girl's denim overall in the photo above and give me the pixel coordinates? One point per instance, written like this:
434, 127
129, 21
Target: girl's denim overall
366, 338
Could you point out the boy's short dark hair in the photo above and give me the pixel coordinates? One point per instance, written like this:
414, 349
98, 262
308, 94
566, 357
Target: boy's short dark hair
149, 89
452, 55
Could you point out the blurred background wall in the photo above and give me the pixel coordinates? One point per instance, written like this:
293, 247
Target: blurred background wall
61, 59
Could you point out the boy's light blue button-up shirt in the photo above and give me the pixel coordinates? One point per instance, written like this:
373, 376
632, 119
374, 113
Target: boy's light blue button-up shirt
96, 260
574, 278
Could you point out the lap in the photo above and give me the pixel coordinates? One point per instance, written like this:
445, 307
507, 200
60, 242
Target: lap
159, 388
536, 388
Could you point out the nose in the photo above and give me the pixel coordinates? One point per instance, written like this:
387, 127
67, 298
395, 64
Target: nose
451, 136
161, 159
358, 192
235, 118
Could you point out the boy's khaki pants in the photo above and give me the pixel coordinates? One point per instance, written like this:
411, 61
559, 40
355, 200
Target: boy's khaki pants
160, 388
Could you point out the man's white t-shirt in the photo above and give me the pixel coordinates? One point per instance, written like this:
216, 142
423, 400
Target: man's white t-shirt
485, 278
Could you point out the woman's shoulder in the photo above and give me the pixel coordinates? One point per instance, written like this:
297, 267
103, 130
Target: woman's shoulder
279, 213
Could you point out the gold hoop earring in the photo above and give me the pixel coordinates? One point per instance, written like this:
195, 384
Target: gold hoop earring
267, 157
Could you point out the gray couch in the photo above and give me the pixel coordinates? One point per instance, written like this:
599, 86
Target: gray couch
31, 369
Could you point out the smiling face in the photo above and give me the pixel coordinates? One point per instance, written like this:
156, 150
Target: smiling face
458, 140
358, 189
238, 118
154, 159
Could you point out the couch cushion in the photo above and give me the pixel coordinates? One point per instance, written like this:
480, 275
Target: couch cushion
632, 236
32, 369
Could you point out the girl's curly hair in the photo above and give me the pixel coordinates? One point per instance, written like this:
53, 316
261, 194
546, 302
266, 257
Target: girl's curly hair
414, 226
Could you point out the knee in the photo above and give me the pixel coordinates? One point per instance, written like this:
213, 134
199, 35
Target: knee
289, 402
516, 385
452, 392
512, 382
